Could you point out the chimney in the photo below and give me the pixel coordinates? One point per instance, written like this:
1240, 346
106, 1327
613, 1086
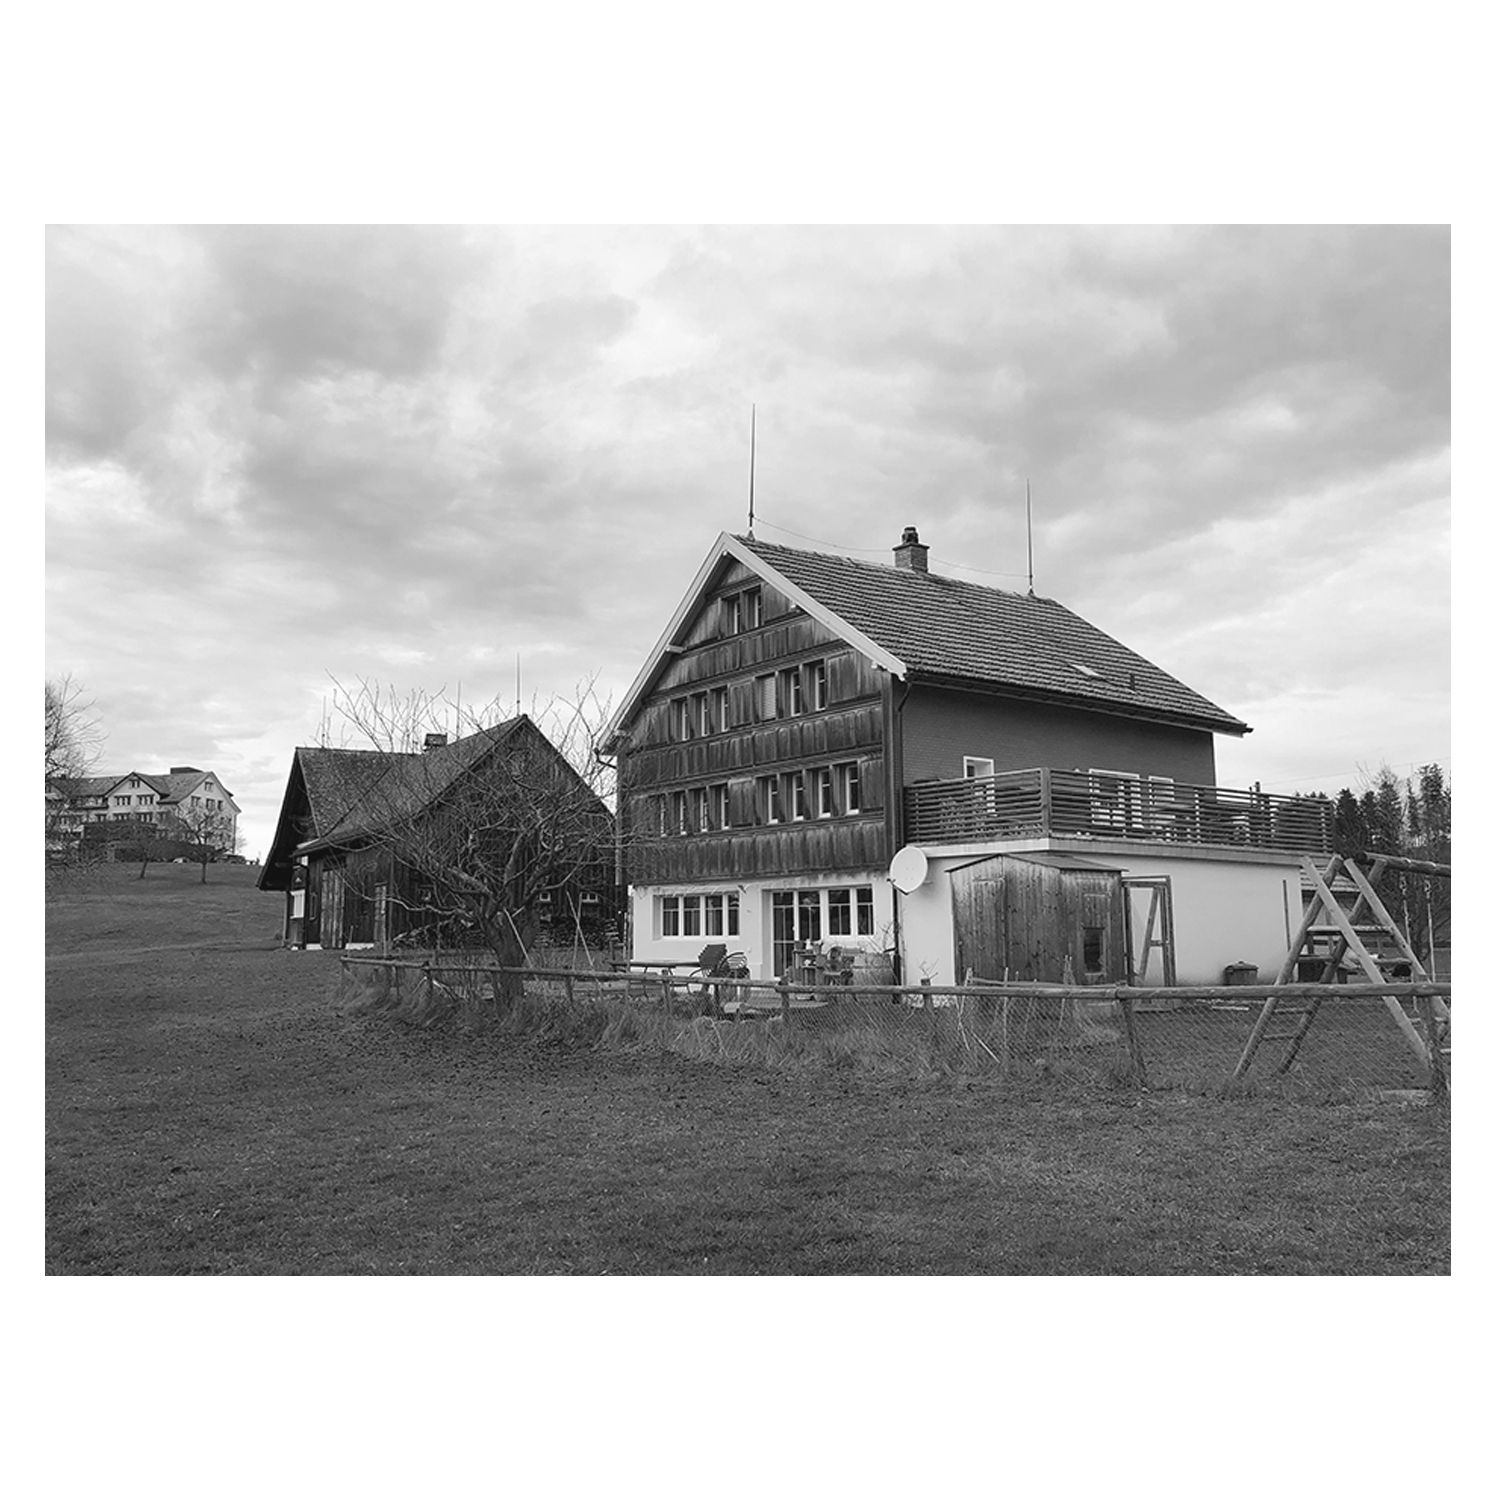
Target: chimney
910, 554
434, 741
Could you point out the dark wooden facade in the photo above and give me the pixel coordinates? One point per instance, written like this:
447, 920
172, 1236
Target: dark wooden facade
759, 751
720, 722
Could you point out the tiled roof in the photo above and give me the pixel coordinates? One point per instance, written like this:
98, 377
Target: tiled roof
941, 626
356, 791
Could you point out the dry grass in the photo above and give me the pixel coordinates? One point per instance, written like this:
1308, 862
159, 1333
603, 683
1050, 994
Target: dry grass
214, 1108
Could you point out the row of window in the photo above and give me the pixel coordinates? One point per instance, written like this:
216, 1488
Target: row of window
797, 915
788, 693
793, 796
700, 915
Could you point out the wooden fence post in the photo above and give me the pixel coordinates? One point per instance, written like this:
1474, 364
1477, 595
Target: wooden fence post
666, 994
426, 979
1440, 1083
785, 999
1131, 1036
494, 984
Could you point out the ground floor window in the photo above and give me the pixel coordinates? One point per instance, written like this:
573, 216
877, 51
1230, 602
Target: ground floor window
715, 914
850, 912
803, 915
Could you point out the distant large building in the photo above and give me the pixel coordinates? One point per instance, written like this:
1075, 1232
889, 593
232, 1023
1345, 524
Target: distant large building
183, 796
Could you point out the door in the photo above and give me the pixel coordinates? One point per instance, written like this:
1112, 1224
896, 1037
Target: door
332, 906
980, 927
795, 917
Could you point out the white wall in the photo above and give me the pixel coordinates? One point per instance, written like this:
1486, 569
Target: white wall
755, 929
1225, 912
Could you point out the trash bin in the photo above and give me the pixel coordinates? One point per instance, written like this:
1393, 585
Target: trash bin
1240, 972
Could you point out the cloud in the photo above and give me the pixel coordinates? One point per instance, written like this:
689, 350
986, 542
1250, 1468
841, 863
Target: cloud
280, 455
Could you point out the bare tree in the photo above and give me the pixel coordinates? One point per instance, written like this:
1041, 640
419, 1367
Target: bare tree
72, 742
485, 823
206, 830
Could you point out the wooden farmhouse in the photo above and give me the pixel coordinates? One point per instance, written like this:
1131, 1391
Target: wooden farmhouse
357, 828
936, 778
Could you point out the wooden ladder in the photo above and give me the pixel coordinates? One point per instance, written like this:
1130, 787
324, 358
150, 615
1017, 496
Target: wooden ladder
1324, 909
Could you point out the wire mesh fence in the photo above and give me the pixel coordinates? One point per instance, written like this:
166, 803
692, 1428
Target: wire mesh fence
1319, 1036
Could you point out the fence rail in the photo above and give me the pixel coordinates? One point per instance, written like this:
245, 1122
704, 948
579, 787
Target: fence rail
1188, 1034
1078, 803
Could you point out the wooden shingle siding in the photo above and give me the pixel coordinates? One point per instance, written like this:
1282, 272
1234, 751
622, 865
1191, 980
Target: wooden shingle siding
817, 738
655, 765
941, 726
845, 844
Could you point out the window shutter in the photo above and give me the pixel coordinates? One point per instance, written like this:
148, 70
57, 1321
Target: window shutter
741, 802
871, 782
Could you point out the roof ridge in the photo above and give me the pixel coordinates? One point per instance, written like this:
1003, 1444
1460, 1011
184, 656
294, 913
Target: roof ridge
886, 569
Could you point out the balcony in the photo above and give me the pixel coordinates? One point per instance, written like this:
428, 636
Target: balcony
1086, 804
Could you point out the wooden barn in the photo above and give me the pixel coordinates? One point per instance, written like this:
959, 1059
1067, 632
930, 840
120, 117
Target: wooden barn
357, 826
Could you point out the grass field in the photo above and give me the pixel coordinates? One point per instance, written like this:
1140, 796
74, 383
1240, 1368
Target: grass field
212, 1108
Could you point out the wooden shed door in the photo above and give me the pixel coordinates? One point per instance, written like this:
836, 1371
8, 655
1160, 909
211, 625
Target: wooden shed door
332, 906
980, 925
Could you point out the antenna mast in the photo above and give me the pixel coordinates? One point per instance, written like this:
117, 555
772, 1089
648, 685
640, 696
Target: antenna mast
1029, 540
751, 474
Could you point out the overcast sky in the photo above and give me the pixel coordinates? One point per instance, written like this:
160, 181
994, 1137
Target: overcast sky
283, 457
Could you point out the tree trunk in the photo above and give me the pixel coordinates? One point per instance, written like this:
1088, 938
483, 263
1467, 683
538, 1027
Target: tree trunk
203, 879
508, 951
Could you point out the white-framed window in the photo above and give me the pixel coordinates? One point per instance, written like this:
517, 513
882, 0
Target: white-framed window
697, 808
678, 813
767, 798
712, 914
976, 768
816, 685
753, 608
800, 808
122, 800
680, 720
822, 791
792, 699
848, 789
701, 723
718, 710
717, 809
803, 915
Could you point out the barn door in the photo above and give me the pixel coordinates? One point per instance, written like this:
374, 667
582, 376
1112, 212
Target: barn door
980, 925
332, 906
1150, 923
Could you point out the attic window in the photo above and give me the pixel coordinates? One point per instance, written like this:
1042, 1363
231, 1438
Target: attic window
743, 611
1087, 671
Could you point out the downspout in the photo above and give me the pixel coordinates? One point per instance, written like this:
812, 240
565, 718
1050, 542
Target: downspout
894, 798
621, 903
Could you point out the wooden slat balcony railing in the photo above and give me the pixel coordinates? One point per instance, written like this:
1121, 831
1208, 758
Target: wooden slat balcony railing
1079, 803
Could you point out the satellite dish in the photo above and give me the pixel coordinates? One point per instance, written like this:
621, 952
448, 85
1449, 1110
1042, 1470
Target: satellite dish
908, 869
